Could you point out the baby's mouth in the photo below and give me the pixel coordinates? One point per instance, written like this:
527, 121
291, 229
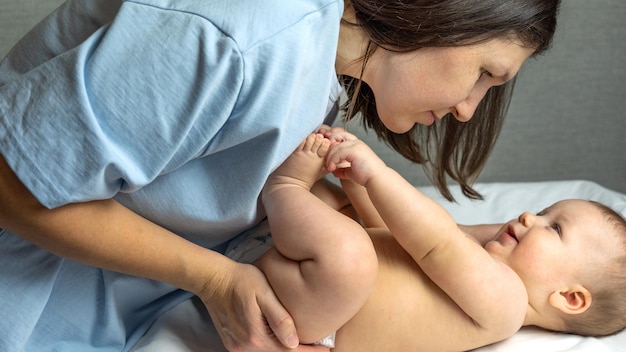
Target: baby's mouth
511, 232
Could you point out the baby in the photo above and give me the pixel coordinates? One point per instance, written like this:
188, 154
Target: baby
411, 278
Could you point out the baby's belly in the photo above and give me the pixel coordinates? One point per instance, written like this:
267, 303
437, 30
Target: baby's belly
406, 311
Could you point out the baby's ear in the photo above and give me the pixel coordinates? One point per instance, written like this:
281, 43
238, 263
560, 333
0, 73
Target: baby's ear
573, 300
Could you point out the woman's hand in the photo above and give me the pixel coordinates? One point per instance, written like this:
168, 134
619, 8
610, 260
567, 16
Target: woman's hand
247, 314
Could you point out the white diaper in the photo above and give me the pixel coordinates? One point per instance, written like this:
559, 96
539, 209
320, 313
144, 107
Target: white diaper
250, 245
328, 341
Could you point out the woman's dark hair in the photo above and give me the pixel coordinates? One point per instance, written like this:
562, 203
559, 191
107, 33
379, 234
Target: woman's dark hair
449, 148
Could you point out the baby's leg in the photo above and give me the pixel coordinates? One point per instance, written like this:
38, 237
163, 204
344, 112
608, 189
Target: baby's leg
324, 265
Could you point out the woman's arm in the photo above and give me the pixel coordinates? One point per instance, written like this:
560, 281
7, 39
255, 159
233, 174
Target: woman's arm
105, 234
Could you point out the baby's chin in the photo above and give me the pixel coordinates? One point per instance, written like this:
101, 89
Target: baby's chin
495, 248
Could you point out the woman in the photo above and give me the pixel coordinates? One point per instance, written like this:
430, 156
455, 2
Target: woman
137, 136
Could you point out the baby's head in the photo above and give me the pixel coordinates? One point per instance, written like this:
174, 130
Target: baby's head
572, 259
607, 283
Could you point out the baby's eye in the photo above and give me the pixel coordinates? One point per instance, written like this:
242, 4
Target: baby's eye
557, 229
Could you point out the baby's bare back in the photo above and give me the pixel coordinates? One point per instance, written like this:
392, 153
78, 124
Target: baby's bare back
407, 311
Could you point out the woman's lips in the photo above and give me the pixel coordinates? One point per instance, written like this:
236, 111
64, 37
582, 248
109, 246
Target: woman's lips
433, 118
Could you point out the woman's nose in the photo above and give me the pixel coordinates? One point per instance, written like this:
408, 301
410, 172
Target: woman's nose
464, 110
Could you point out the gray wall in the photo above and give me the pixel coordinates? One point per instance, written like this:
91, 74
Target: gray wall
565, 121
567, 118
18, 16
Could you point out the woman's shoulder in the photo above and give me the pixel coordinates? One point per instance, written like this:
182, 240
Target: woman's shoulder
250, 21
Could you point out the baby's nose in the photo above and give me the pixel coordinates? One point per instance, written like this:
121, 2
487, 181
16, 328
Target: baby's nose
526, 218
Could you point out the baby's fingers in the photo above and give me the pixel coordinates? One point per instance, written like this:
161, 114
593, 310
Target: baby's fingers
338, 157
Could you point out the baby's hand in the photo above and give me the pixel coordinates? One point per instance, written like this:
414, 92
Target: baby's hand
353, 159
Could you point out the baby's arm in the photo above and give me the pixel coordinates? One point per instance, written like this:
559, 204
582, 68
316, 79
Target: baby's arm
482, 233
335, 196
356, 194
452, 259
360, 200
370, 217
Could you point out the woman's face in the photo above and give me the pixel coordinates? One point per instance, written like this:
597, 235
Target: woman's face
424, 85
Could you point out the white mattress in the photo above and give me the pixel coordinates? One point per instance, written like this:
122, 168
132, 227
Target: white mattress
187, 327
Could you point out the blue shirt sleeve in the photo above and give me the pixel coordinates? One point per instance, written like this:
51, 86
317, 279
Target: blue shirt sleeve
121, 108
176, 109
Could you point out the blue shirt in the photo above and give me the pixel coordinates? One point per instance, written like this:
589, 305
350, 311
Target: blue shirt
177, 109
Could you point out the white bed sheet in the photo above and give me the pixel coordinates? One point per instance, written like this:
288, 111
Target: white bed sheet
187, 327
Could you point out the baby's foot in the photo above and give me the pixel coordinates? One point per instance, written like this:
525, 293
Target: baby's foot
304, 166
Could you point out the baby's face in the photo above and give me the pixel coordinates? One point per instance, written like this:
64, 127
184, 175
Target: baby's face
556, 246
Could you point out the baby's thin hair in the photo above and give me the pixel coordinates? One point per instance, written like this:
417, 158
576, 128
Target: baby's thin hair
607, 313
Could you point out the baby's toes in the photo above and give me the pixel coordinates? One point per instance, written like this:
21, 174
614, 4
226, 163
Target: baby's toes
316, 143
323, 148
309, 143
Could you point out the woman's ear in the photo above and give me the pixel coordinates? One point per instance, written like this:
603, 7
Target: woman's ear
573, 300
